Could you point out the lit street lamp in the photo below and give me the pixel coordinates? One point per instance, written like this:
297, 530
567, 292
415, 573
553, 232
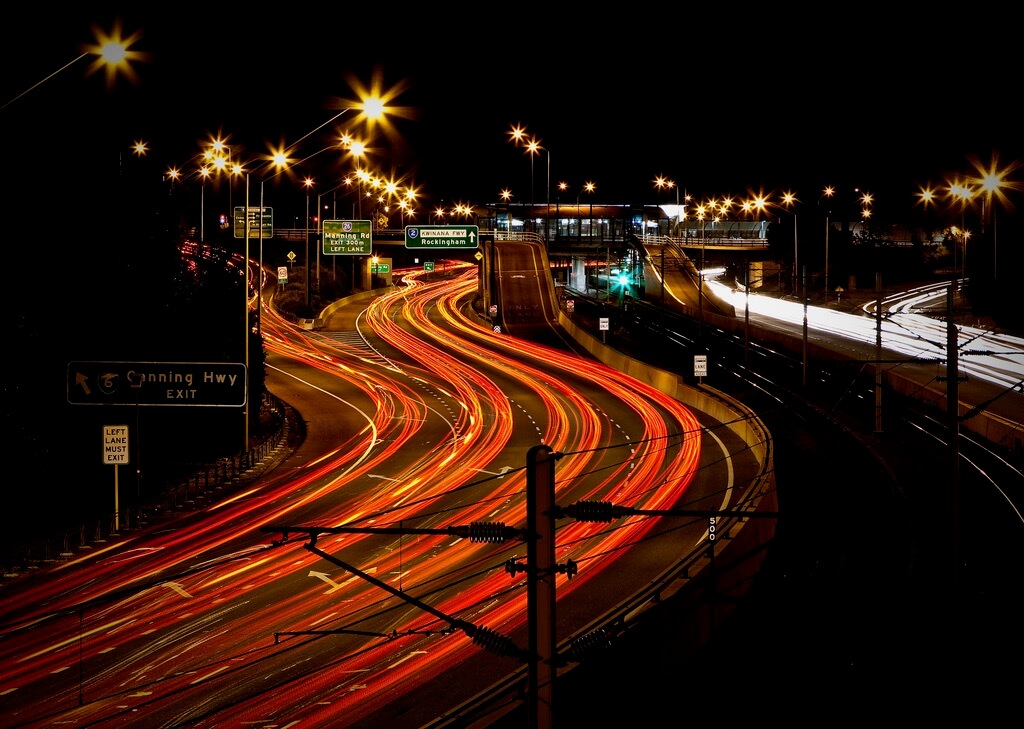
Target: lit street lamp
702, 213
827, 192
588, 187
205, 173
662, 182
308, 182
991, 183
506, 197
533, 147
111, 53
789, 199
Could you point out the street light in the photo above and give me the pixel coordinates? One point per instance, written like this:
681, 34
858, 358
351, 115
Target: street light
371, 109
590, 216
205, 173
533, 147
661, 182
506, 197
789, 200
992, 182
827, 192
703, 210
518, 134
588, 187
963, 194
308, 182
562, 187
112, 54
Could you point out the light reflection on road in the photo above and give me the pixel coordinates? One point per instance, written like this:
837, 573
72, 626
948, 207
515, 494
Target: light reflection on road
991, 356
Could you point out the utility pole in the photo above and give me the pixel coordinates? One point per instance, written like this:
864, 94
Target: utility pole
804, 377
746, 311
878, 352
540, 591
953, 414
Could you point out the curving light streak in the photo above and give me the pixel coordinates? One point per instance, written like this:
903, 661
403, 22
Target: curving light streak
994, 357
181, 621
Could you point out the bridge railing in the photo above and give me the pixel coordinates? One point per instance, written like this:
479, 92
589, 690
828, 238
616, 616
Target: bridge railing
734, 242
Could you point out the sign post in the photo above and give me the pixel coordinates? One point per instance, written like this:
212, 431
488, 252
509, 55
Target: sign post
115, 452
700, 366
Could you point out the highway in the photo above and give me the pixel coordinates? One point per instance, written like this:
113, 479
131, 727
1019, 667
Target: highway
420, 419
894, 573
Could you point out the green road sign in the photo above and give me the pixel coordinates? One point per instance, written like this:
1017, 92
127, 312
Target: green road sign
347, 238
380, 268
210, 384
441, 236
254, 222
428, 266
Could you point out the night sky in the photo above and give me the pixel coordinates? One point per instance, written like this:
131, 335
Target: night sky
721, 103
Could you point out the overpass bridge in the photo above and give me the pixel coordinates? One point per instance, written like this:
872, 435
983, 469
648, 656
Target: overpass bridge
663, 269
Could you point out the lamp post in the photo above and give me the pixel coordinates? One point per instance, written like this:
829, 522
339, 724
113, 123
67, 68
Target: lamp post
661, 182
991, 183
533, 147
588, 187
789, 200
205, 172
962, 193
562, 187
245, 319
518, 134
308, 182
506, 197
827, 192
112, 53
371, 108
701, 216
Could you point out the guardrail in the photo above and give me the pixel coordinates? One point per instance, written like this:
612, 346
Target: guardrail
204, 483
737, 553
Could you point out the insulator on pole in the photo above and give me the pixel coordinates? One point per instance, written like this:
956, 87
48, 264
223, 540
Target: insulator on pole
591, 511
487, 531
589, 644
495, 642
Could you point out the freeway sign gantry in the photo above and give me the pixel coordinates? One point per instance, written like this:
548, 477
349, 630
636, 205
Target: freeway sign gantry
210, 384
442, 236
